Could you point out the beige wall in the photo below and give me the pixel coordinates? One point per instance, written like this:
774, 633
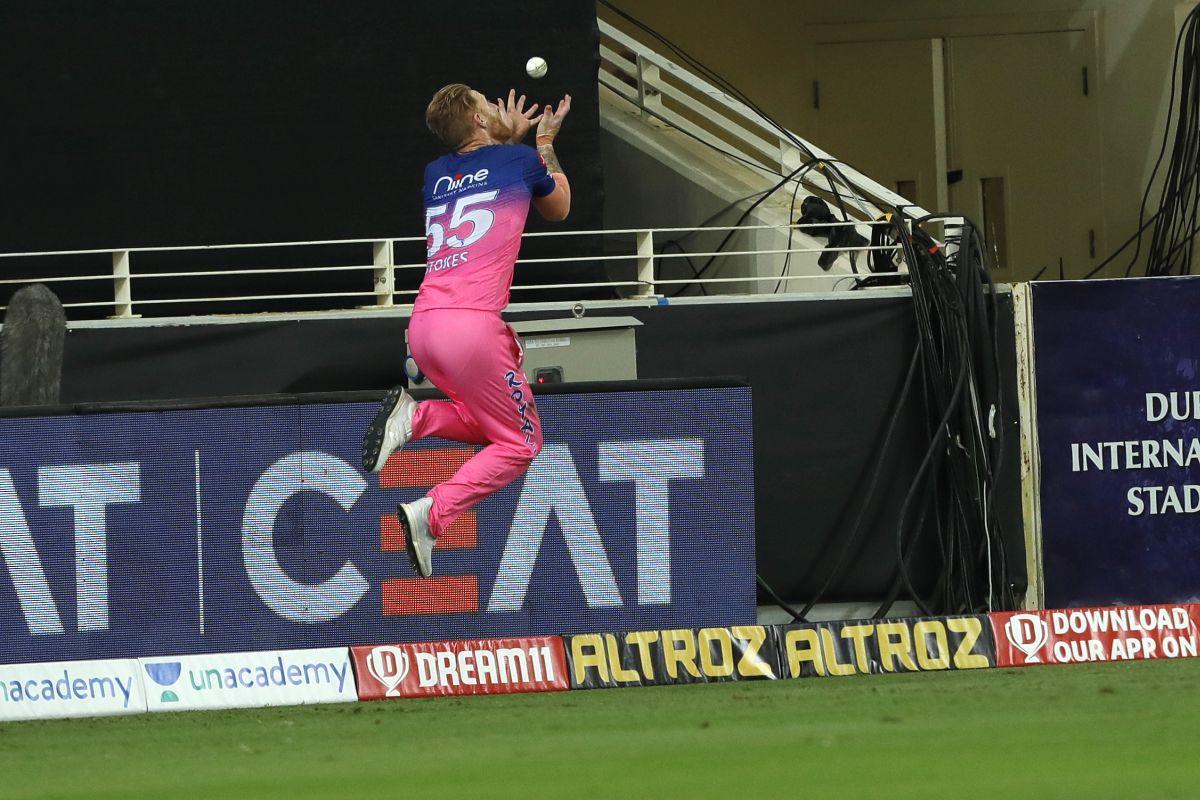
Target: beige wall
765, 48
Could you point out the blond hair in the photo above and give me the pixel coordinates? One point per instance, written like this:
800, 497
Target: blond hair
450, 112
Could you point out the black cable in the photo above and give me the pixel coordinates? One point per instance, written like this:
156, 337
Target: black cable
940, 432
1157, 163
686, 257
787, 257
765, 194
779, 601
795, 174
831, 163
1179, 198
810, 159
956, 313
1187, 240
1179, 191
866, 500
955, 308
677, 242
798, 176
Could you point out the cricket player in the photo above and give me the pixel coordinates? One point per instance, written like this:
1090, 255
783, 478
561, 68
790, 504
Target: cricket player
476, 201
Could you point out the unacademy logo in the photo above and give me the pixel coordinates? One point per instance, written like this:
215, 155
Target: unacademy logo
39, 686
165, 674
277, 674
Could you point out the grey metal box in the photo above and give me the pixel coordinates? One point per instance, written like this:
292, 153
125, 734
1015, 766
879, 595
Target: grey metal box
597, 349
586, 349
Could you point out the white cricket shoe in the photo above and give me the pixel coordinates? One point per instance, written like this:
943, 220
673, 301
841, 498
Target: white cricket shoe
390, 430
418, 541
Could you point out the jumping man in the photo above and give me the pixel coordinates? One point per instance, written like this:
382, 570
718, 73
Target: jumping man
476, 201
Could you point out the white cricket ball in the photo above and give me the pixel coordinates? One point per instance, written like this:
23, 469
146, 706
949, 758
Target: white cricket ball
536, 67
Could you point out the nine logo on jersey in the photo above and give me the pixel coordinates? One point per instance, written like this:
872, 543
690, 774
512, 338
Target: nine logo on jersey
458, 181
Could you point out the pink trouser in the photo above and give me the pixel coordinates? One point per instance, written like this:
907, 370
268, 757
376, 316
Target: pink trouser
475, 359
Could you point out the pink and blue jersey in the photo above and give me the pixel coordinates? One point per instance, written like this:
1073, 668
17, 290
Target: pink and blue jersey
475, 209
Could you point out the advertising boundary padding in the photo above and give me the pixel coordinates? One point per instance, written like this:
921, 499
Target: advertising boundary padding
52, 690
613, 660
462, 667
655, 658
1092, 635
758, 652
248, 680
880, 647
875, 647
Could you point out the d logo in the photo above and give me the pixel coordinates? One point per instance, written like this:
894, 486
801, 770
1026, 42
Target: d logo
1028, 633
388, 664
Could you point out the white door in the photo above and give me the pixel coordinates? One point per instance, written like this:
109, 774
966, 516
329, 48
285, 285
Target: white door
1024, 129
880, 107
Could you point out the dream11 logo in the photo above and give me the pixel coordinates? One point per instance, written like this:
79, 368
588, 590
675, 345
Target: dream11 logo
552, 488
1029, 634
388, 664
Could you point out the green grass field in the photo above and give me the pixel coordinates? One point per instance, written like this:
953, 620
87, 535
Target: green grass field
1103, 731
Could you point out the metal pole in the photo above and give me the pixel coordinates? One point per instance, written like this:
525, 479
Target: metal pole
385, 274
122, 292
645, 262
648, 96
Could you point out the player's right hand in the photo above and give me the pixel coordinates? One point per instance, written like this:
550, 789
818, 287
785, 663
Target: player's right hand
552, 119
514, 116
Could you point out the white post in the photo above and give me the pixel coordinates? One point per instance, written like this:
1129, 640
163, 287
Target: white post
790, 157
952, 231
385, 274
122, 293
648, 96
1031, 465
904, 266
645, 262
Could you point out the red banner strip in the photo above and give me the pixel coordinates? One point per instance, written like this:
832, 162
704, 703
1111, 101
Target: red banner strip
1088, 635
422, 469
466, 667
451, 594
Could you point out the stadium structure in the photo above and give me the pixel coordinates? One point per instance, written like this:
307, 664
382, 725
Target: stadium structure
875, 402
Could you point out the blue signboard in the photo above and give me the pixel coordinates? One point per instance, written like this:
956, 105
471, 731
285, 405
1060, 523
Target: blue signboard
1117, 372
214, 530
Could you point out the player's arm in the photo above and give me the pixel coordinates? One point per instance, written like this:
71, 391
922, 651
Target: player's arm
556, 205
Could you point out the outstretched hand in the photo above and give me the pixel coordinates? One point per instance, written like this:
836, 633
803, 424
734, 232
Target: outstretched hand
551, 120
515, 117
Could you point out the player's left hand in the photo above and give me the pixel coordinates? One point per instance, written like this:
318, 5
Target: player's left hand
515, 117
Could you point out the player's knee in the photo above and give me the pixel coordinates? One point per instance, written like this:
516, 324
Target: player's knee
521, 451
530, 447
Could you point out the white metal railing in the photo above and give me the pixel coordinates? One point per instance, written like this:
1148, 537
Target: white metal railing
657, 87
125, 277
664, 90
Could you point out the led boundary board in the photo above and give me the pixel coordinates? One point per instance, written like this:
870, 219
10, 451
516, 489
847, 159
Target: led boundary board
252, 528
1117, 369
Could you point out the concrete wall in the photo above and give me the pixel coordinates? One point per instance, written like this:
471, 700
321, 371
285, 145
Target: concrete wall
658, 178
765, 47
